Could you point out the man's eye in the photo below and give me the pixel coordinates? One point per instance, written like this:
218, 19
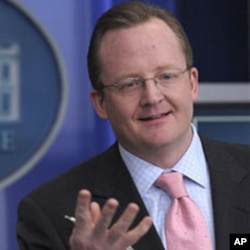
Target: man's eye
166, 76
130, 85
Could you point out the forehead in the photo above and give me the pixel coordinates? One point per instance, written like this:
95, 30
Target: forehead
146, 44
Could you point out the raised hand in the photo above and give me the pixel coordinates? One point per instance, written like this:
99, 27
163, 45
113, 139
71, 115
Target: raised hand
93, 230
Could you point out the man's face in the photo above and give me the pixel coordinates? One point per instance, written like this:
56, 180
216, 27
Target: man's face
154, 118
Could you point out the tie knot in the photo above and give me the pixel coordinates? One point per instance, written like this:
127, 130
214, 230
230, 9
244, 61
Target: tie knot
173, 184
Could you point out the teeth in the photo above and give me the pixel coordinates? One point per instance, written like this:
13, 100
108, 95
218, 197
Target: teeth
152, 117
158, 116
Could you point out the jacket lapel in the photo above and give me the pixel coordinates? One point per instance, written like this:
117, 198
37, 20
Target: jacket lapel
229, 195
228, 187
114, 180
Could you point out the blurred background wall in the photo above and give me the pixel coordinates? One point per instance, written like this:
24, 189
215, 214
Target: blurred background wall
219, 33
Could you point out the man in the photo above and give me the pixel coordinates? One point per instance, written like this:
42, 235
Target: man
140, 65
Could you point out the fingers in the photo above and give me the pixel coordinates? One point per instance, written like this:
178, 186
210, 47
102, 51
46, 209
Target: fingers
105, 217
95, 211
93, 228
120, 230
82, 214
139, 231
124, 222
83, 224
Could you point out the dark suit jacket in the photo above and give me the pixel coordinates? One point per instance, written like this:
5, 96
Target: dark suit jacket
41, 223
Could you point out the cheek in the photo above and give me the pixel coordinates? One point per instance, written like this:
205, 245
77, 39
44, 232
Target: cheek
182, 101
118, 110
121, 119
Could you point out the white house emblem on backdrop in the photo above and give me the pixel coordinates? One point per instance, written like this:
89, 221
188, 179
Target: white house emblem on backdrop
9, 82
32, 92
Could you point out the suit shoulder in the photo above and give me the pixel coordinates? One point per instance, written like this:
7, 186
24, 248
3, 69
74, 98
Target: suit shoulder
79, 177
240, 152
245, 148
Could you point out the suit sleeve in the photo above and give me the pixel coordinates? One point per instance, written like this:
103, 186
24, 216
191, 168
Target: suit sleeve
34, 229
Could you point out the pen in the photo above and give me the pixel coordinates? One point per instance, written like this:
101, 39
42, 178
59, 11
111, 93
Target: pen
73, 219
70, 218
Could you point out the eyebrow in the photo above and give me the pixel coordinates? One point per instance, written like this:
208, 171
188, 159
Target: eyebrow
136, 75
166, 67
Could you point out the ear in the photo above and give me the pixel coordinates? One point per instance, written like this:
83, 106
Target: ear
98, 102
194, 83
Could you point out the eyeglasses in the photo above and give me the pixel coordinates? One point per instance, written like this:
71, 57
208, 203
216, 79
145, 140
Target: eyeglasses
164, 79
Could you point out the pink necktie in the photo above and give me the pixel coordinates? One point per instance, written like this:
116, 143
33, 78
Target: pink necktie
185, 226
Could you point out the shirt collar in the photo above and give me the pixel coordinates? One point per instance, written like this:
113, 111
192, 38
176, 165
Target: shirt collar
143, 173
192, 165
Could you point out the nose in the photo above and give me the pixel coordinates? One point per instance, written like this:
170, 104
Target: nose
151, 93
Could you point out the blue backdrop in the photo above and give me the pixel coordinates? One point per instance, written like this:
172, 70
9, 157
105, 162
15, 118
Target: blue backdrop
220, 53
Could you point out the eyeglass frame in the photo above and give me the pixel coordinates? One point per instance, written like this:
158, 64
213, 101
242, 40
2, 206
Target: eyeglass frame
142, 81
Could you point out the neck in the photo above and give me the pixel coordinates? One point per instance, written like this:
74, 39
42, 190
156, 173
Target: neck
164, 156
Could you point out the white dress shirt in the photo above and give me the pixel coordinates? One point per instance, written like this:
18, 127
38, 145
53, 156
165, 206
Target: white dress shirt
196, 178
